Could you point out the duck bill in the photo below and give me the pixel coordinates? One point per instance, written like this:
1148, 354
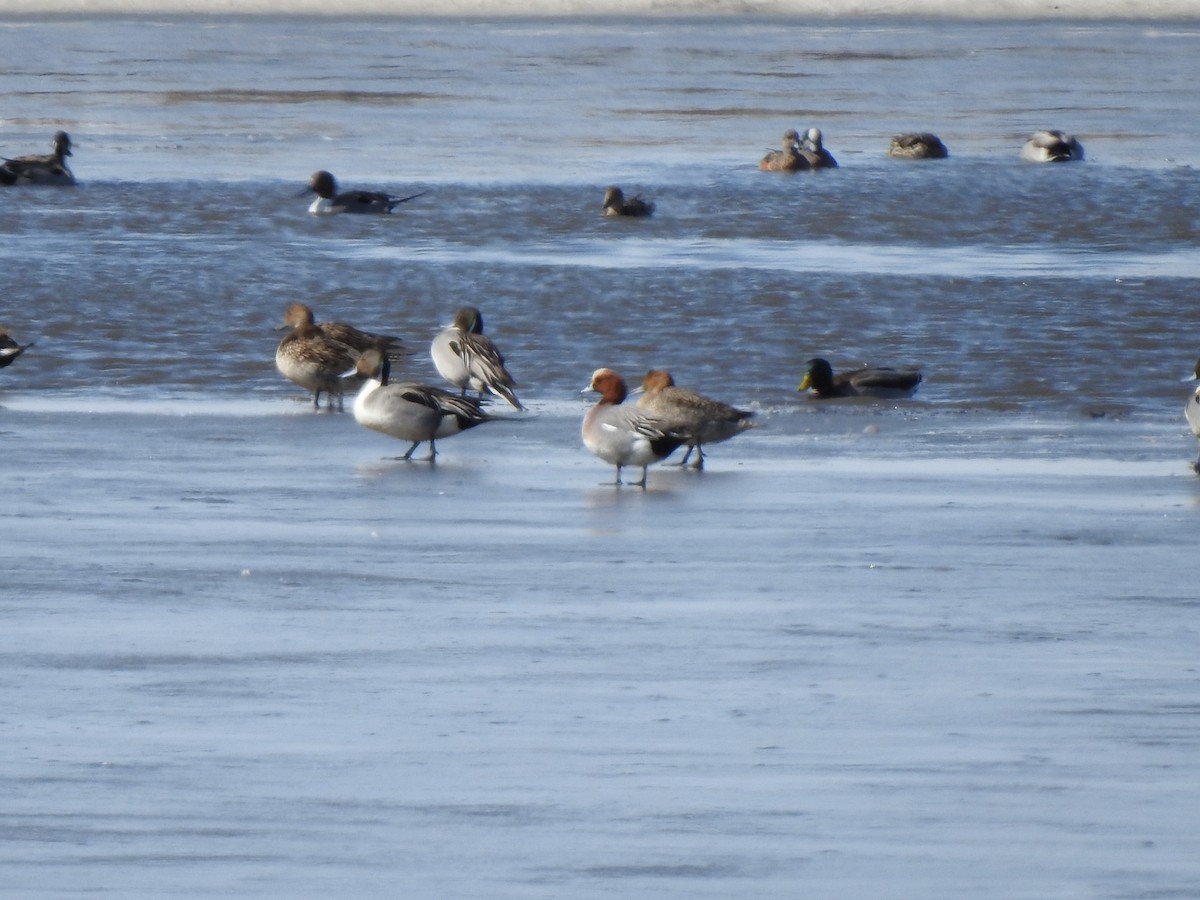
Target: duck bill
805, 383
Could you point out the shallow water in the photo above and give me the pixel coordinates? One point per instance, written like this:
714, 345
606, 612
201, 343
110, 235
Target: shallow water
933, 648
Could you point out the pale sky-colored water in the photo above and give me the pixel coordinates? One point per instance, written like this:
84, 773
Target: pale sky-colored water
1011, 9
937, 648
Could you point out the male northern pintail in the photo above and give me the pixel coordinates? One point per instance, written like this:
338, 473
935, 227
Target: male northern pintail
881, 382
1051, 146
697, 419
51, 168
320, 358
615, 204
467, 358
787, 158
10, 349
329, 201
812, 148
409, 411
623, 435
1192, 410
917, 145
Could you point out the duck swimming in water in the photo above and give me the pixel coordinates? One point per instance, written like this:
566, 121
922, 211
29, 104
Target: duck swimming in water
881, 382
917, 145
1051, 146
786, 159
330, 202
10, 349
812, 148
51, 169
616, 204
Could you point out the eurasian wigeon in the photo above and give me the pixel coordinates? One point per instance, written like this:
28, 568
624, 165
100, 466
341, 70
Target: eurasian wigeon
1051, 146
50, 169
881, 382
697, 419
466, 357
329, 201
409, 411
623, 435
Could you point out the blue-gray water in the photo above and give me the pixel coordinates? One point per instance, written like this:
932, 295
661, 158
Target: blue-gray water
934, 648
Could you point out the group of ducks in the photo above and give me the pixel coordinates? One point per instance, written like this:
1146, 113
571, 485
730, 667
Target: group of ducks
804, 154
796, 155
333, 358
799, 154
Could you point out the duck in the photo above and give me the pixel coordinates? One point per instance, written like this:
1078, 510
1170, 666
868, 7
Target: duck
812, 148
615, 204
699, 420
786, 159
410, 411
467, 358
881, 382
51, 169
10, 349
329, 201
357, 340
917, 145
1051, 146
313, 358
623, 435
1191, 411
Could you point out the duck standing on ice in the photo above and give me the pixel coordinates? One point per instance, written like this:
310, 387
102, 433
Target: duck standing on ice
623, 435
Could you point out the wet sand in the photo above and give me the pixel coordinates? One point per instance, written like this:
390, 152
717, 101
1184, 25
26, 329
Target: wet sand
860, 655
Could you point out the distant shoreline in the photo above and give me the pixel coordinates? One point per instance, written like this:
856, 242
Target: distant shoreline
957, 10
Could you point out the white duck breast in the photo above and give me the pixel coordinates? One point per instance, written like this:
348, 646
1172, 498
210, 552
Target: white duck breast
1191, 411
330, 201
623, 435
468, 359
10, 349
409, 411
1051, 146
